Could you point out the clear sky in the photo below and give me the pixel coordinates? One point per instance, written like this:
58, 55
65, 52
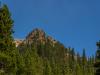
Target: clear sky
75, 23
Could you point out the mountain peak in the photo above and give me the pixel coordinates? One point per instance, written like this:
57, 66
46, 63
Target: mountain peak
38, 35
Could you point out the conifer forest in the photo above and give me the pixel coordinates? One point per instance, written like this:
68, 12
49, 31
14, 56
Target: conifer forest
40, 54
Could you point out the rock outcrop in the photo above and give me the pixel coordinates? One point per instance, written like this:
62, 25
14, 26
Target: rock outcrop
36, 35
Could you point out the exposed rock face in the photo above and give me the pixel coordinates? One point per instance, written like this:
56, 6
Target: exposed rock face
18, 42
35, 35
38, 35
51, 39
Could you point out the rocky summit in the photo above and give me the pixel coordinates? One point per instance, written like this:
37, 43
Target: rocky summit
36, 35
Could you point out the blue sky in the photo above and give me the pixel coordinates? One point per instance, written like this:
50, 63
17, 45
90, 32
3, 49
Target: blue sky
75, 23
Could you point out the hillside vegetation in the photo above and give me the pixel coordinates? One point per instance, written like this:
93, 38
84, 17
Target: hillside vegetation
38, 54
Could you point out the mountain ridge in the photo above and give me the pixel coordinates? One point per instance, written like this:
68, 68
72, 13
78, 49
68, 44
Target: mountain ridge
35, 35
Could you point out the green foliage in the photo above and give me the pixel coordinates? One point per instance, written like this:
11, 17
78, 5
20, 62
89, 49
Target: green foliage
7, 47
97, 63
38, 58
47, 68
84, 62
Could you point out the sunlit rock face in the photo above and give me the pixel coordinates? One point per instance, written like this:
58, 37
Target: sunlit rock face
18, 42
38, 35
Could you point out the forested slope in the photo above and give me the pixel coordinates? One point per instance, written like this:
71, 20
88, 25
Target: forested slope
38, 54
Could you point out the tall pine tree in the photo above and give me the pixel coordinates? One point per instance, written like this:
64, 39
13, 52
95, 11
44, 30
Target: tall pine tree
84, 62
97, 64
7, 47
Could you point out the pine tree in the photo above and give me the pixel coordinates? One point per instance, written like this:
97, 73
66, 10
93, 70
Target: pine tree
79, 59
33, 63
7, 47
84, 62
47, 68
78, 65
20, 64
90, 65
72, 62
78, 70
97, 64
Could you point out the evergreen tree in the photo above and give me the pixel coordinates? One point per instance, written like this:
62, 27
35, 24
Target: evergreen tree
90, 67
79, 59
84, 62
72, 61
40, 56
7, 47
78, 70
97, 64
47, 68
33, 63
20, 64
